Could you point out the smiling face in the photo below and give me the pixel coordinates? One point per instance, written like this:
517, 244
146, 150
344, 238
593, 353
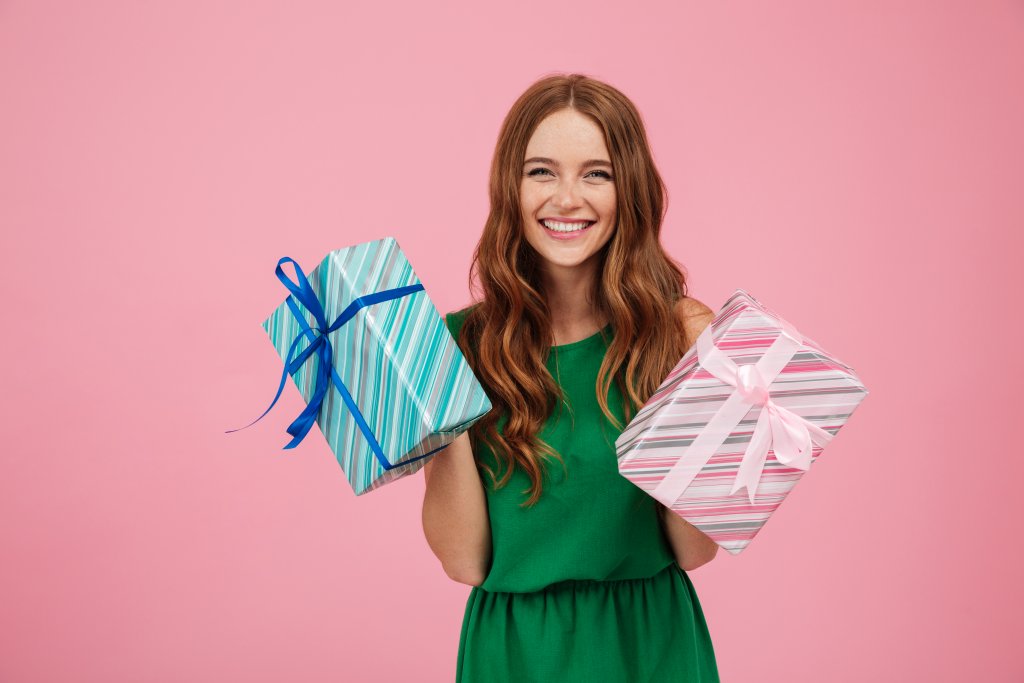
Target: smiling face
567, 193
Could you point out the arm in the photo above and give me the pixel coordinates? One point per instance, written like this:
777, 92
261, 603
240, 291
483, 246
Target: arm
692, 547
455, 520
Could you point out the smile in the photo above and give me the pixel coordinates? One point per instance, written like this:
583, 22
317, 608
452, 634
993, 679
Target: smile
560, 230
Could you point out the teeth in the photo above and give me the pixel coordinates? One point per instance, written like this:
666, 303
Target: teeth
565, 227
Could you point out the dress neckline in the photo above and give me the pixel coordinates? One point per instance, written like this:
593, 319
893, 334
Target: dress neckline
582, 342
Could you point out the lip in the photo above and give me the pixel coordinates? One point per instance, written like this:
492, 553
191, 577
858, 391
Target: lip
563, 219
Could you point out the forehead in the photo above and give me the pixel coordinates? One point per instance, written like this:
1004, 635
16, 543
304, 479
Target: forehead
567, 135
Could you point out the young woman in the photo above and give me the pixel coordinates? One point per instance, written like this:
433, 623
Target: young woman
577, 574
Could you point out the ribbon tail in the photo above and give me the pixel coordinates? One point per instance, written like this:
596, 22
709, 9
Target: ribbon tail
790, 438
818, 435
749, 474
304, 422
280, 388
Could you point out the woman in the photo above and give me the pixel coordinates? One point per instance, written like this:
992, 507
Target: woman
577, 574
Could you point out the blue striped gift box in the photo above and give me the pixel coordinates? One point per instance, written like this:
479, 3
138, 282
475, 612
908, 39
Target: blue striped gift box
405, 373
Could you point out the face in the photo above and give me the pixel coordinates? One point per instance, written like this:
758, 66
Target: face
567, 193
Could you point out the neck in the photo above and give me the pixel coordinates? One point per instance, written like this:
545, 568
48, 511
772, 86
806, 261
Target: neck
568, 292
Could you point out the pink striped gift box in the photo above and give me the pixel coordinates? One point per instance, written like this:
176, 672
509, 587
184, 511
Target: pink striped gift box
738, 421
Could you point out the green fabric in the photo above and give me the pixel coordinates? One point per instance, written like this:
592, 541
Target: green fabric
583, 586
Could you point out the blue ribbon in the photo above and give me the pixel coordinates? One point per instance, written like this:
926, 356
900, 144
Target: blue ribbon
320, 345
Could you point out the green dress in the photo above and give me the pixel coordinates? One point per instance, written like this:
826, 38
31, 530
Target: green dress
583, 586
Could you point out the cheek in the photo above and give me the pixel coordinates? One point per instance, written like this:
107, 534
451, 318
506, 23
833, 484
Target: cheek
529, 199
609, 203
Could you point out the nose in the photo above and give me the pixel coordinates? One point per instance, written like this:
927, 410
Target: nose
567, 195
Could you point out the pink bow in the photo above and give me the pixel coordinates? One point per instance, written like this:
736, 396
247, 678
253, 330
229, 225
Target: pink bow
778, 428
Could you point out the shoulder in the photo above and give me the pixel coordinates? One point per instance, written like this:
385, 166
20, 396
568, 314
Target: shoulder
695, 316
455, 319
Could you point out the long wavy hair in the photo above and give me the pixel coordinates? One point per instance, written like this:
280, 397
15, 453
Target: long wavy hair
636, 290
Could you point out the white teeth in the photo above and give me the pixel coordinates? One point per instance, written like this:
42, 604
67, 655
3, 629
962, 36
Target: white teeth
565, 227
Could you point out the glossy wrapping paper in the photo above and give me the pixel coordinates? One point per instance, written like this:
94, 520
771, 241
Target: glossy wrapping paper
738, 421
399, 388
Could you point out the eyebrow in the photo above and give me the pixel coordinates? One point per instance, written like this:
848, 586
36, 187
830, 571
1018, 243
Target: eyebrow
586, 164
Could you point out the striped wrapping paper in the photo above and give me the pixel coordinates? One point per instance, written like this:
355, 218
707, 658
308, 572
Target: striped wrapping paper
813, 385
397, 359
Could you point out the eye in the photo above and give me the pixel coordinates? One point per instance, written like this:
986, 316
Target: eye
540, 170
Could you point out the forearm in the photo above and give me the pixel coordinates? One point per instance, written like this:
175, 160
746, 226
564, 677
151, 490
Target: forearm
692, 547
455, 520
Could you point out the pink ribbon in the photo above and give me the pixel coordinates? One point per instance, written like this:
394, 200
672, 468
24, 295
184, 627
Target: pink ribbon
778, 428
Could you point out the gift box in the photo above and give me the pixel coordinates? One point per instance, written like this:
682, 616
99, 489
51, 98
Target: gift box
738, 422
371, 356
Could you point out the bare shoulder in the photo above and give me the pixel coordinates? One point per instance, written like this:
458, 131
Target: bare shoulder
695, 316
688, 307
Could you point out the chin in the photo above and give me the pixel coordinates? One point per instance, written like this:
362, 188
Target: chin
565, 260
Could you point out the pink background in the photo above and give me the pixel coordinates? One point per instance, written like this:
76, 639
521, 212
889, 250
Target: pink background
857, 168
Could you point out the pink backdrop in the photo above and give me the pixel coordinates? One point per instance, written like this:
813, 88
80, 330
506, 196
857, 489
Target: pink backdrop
856, 168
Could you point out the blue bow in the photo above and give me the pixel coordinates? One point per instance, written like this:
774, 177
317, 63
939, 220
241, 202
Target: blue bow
321, 346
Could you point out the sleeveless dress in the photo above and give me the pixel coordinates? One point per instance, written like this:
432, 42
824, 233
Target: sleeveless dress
583, 586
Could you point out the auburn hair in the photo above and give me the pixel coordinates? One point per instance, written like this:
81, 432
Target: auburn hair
636, 290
